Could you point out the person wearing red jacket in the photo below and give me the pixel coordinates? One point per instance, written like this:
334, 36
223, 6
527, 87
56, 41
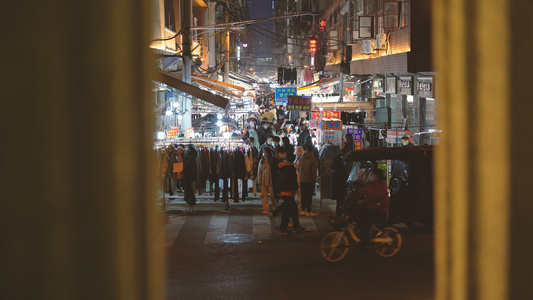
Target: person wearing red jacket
372, 204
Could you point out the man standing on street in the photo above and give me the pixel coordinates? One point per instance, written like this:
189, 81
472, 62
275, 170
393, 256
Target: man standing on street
286, 186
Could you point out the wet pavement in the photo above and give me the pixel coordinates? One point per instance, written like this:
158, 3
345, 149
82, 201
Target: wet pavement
219, 254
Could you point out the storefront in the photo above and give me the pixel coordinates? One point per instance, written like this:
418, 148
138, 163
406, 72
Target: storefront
425, 89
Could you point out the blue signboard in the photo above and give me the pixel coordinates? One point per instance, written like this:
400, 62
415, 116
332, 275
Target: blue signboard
356, 132
282, 93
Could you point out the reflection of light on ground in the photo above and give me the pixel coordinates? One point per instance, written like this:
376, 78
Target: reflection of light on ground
235, 238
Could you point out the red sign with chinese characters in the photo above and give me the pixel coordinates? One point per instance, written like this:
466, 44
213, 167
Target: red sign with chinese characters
322, 25
298, 103
189, 133
328, 114
312, 45
173, 132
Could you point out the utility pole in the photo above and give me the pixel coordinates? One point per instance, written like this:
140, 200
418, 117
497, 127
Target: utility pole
226, 56
187, 61
343, 53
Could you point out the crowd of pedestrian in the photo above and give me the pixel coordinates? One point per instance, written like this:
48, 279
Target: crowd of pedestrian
285, 171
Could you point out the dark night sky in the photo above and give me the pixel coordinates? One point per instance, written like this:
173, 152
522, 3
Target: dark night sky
262, 9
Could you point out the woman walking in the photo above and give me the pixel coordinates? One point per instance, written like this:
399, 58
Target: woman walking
265, 180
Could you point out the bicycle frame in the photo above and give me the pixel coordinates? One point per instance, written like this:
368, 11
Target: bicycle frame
351, 233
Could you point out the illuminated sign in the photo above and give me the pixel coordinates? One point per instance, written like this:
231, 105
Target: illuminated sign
322, 25
173, 132
424, 87
298, 103
189, 133
327, 114
282, 93
405, 86
312, 45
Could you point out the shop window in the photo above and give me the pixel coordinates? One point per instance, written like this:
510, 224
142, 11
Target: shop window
371, 7
430, 112
170, 20
391, 13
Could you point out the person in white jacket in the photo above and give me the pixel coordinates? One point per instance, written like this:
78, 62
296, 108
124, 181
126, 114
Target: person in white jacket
264, 177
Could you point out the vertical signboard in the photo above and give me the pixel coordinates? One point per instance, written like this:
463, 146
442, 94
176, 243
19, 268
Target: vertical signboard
189, 133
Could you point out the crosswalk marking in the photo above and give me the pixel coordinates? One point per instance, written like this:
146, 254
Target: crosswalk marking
217, 227
172, 229
220, 222
261, 226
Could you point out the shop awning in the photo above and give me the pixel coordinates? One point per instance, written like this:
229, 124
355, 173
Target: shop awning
242, 78
213, 85
176, 82
219, 83
319, 84
309, 86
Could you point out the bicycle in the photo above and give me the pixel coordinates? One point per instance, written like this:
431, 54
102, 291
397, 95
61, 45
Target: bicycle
387, 241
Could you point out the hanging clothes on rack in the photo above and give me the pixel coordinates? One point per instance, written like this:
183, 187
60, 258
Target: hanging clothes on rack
169, 161
300, 76
213, 174
251, 162
287, 73
189, 169
226, 174
309, 76
239, 175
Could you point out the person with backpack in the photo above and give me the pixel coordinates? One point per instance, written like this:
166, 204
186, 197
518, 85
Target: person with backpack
286, 186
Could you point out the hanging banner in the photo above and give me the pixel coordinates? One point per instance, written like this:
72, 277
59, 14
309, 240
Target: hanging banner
282, 93
189, 133
173, 132
298, 103
395, 136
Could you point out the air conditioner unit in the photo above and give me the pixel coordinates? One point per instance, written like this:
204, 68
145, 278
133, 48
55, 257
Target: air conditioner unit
381, 41
367, 46
373, 44
331, 57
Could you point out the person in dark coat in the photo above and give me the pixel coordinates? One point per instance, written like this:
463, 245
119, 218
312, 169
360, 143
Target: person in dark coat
307, 175
304, 134
290, 149
338, 181
309, 141
406, 142
372, 204
262, 132
190, 175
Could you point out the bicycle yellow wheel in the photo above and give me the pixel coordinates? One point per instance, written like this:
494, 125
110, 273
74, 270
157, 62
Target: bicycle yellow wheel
388, 249
331, 253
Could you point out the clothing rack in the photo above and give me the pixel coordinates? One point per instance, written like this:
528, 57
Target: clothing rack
220, 142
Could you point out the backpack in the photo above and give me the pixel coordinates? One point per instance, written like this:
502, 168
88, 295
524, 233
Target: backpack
286, 179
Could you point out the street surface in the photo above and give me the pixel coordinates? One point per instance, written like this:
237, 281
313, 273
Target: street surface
238, 254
